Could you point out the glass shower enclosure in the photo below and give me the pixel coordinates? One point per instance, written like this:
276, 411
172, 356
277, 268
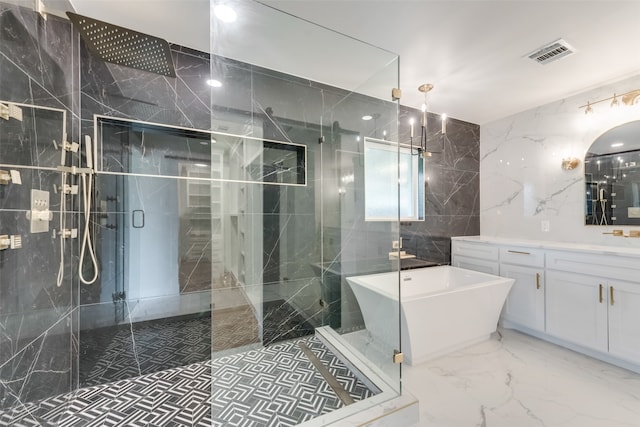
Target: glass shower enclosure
296, 105
227, 210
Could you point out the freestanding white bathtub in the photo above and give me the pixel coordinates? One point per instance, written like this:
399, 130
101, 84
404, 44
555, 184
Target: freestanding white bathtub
443, 309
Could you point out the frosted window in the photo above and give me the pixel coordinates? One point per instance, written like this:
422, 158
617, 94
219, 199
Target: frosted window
382, 166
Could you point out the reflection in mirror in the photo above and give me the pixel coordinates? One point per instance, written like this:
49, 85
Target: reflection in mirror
612, 177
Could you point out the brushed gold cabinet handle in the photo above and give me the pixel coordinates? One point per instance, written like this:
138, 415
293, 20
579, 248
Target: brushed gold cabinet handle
519, 252
611, 294
537, 280
601, 293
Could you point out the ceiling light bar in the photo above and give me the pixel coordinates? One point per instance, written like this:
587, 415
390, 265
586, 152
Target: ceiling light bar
628, 98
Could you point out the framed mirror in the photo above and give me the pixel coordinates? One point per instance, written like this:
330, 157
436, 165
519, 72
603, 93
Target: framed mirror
612, 177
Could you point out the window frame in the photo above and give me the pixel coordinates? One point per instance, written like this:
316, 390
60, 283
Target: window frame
417, 176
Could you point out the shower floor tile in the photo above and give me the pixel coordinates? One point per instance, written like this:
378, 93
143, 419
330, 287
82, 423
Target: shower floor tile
130, 350
271, 386
127, 351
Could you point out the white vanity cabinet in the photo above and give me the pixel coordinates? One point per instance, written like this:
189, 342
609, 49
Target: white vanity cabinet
475, 256
586, 298
525, 302
576, 309
594, 301
624, 320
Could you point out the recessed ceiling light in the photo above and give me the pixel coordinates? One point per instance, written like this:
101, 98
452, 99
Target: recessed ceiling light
367, 117
617, 144
225, 13
214, 83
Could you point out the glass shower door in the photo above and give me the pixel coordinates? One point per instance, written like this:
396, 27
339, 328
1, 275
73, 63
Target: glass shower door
294, 221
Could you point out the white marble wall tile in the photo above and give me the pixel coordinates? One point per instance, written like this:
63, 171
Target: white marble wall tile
521, 180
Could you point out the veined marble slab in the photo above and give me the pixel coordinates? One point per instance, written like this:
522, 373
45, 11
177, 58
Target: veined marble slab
558, 246
515, 380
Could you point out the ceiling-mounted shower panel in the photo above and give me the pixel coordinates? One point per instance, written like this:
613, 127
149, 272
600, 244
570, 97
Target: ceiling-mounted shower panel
122, 46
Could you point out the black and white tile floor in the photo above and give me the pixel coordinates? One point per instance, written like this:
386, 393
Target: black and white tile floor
130, 350
272, 386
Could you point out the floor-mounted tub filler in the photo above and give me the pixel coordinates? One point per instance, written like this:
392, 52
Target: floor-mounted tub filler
443, 309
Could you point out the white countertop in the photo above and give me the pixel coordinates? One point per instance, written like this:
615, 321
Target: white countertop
559, 246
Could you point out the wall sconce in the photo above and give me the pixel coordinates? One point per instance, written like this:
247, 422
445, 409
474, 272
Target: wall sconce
629, 98
570, 163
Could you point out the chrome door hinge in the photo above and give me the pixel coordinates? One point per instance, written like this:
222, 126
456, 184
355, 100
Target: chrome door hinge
396, 94
398, 357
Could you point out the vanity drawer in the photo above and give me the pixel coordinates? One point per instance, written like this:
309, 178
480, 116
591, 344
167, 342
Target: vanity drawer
474, 250
613, 267
475, 264
522, 256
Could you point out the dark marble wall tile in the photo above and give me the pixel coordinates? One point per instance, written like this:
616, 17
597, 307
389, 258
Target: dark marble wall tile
35, 140
36, 65
452, 187
451, 192
300, 111
42, 368
38, 53
30, 298
118, 91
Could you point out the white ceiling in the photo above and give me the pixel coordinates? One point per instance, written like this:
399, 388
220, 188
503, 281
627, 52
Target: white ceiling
471, 51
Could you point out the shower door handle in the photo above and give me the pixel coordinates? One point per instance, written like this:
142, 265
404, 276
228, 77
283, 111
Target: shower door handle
137, 218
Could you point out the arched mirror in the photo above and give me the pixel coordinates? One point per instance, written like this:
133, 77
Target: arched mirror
612, 176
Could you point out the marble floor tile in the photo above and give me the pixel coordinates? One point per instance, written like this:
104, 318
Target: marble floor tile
513, 380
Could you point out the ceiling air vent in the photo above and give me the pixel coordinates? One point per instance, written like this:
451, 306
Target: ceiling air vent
551, 52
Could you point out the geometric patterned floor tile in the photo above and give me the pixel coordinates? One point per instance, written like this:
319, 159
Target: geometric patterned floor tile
130, 350
273, 386
126, 351
278, 386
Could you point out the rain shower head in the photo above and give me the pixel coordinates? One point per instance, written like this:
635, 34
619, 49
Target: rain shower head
123, 46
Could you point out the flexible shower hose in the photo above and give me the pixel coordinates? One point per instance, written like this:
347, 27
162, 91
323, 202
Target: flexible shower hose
86, 236
63, 212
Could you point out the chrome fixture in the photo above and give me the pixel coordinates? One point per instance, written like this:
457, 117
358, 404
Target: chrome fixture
628, 98
10, 111
10, 242
421, 149
5, 177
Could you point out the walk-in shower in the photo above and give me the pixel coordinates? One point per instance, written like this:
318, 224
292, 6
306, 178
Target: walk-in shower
223, 222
